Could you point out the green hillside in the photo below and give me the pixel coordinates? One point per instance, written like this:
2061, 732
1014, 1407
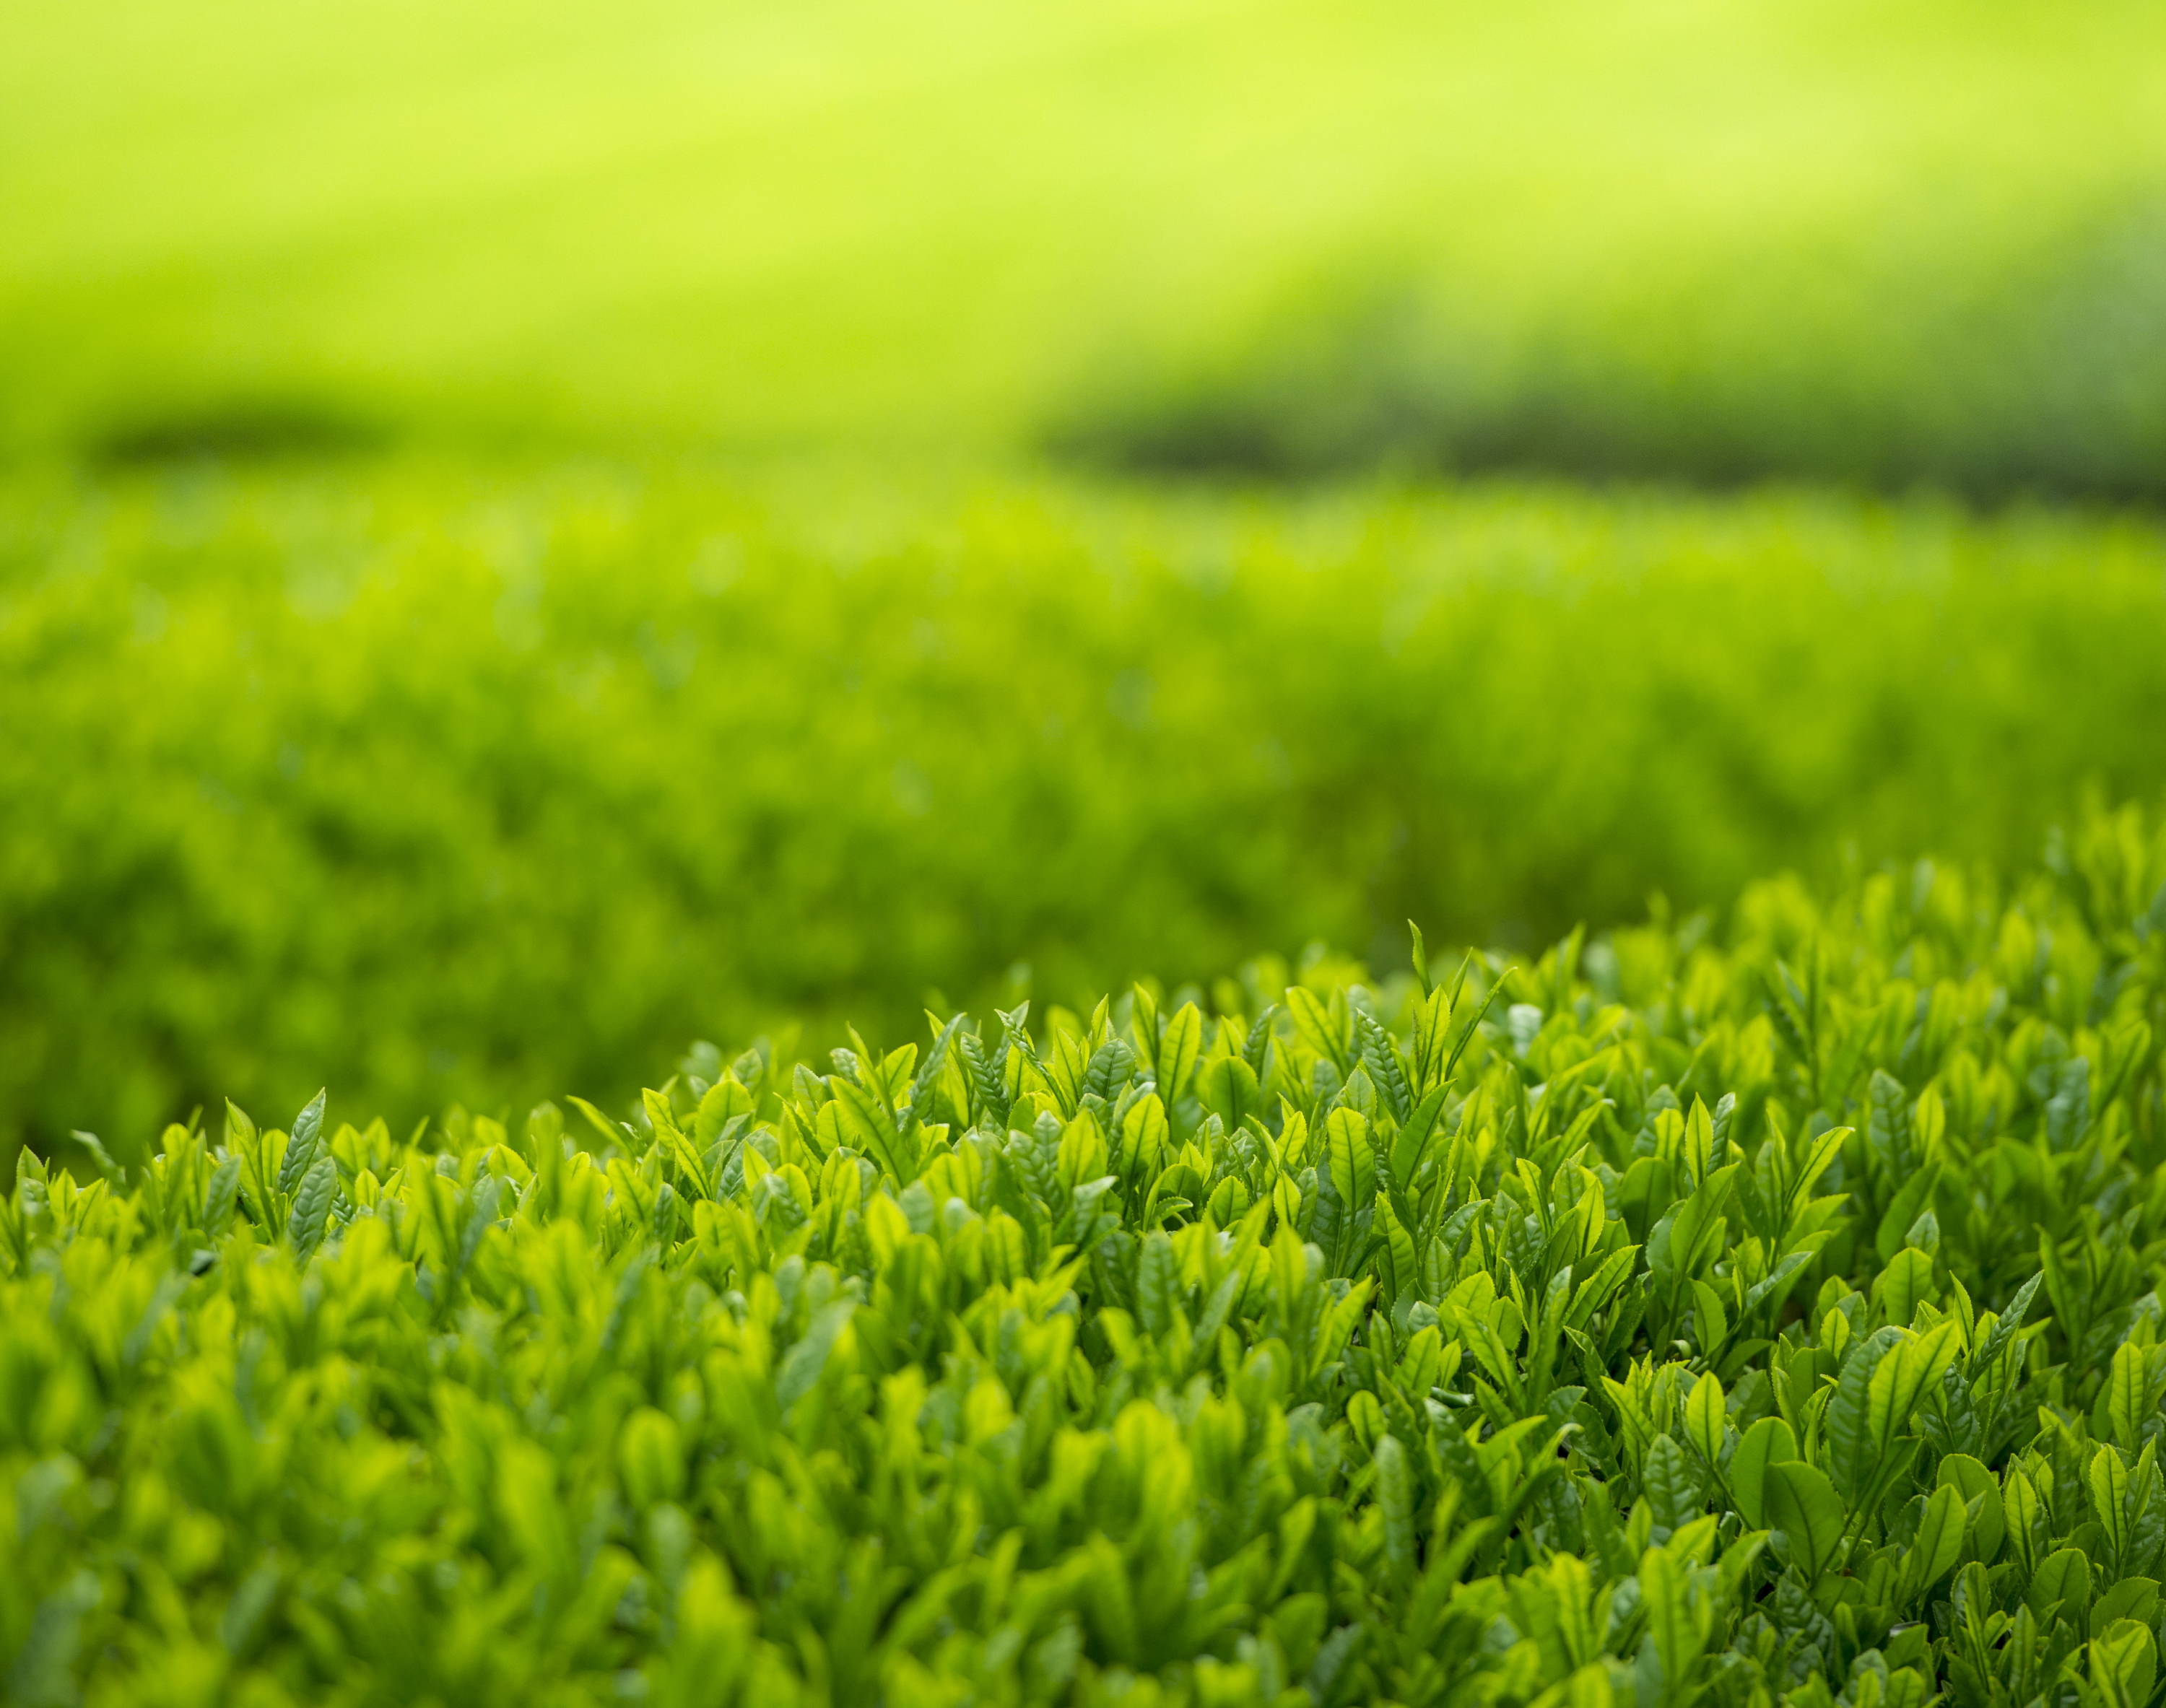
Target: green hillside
1896, 243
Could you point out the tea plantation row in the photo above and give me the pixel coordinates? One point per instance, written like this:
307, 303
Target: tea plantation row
441, 783
1672, 1320
1678, 238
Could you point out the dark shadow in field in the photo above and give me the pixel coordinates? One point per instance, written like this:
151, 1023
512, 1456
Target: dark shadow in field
262, 429
2044, 376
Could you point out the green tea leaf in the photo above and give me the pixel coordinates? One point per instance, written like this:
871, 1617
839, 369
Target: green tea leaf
1801, 1504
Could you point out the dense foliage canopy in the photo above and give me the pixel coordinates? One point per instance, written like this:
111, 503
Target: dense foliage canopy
1674, 1319
535, 531
441, 783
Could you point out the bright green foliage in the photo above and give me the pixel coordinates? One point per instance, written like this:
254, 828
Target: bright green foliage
439, 783
1664, 1320
1909, 241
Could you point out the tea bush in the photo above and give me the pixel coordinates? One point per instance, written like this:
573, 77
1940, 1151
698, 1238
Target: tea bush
2040, 370
444, 782
1677, 1318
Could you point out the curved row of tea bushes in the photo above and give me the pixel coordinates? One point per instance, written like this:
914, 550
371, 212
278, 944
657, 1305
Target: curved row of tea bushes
2013, 364
1665, 1321
440, 783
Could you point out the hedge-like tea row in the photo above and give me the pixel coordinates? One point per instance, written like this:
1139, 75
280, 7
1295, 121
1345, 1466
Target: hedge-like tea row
1662, 1322
2037, 371
440, 783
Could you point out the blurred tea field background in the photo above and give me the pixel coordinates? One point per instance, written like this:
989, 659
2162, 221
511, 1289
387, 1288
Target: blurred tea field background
1923, 240
529, 534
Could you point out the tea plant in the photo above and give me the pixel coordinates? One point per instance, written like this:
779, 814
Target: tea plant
443, 784
1664, 1320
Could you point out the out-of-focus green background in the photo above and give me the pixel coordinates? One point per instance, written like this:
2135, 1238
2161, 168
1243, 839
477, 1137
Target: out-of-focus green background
1920, 239
531, 532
